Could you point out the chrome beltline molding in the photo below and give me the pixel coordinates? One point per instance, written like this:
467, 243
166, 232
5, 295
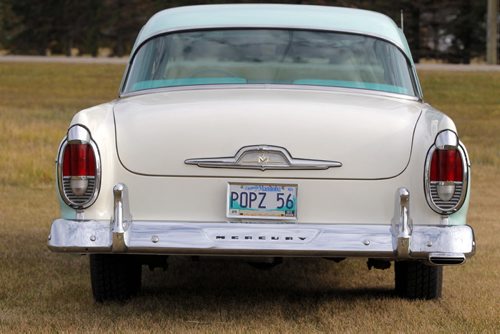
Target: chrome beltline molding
272, 86
399, 240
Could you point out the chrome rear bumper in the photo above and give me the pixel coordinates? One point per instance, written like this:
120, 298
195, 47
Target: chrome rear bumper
155, 237
401, 240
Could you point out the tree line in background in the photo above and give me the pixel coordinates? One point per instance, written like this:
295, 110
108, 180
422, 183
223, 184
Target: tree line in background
448, 30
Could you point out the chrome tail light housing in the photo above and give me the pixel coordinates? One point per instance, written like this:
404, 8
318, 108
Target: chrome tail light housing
78, 168
446, 174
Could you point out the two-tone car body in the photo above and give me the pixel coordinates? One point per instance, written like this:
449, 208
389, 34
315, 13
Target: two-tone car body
266, 131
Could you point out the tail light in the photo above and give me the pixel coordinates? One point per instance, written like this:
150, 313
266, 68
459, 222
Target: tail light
78, 168
446, 174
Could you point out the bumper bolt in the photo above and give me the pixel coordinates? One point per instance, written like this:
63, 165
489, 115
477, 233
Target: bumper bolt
366, 242
429, 243
155, 239
92, 238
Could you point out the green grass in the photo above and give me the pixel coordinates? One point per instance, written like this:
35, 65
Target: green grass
43, 291
472, 100
36, 105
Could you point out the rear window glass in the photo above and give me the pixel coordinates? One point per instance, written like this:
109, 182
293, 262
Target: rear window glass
269, 56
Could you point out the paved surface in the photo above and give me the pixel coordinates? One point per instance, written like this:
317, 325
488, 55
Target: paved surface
102, 60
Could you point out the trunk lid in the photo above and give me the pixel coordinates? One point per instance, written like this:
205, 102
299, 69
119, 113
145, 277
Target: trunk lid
370, 135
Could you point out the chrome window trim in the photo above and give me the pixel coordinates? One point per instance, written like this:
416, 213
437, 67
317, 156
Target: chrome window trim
416, 81
70, 137
441, 142
416, 85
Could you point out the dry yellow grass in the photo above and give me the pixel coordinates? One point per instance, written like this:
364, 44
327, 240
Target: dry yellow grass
47, 292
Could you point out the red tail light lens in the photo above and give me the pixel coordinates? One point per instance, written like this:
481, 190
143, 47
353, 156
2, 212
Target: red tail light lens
79, 168
446, 166
79, 160
446, 174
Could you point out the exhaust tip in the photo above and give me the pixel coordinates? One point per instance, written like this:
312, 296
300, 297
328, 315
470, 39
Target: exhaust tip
446, 259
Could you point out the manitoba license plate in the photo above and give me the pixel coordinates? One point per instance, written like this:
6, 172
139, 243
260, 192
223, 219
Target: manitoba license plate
265, 201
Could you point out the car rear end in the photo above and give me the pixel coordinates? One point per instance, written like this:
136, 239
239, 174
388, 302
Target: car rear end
299, 142
159, 189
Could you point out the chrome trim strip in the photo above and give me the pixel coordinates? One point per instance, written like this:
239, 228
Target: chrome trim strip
416, 81
272, 86
446, 140
263, 163
77, 134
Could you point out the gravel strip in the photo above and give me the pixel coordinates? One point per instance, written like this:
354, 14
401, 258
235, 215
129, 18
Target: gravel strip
103, 60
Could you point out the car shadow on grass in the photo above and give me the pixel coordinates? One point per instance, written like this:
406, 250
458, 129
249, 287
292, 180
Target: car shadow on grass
295, 281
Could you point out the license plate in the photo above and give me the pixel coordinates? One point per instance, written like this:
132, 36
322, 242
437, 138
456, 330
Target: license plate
264, 201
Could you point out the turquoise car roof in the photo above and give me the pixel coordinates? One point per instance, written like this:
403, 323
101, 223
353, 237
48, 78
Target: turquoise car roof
274, 16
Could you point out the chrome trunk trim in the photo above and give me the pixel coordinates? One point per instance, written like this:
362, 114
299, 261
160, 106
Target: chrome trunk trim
266, 157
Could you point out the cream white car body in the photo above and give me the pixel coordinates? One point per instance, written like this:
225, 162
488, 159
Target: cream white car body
365, 186
154, 195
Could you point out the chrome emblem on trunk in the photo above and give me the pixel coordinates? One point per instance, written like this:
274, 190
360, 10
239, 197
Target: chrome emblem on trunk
263, 157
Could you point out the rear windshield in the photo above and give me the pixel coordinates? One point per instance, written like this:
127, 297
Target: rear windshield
269, 56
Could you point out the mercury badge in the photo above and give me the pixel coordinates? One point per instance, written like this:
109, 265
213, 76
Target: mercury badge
263, 159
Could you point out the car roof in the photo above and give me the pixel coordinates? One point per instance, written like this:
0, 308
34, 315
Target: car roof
274, 16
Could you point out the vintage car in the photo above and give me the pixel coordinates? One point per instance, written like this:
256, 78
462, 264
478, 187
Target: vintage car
265, 131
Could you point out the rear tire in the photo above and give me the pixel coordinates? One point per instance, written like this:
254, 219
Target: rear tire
114, 277
415, 280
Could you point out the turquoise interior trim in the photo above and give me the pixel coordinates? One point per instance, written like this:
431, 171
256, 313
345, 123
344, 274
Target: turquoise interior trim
186, 82
235, 80
353, 84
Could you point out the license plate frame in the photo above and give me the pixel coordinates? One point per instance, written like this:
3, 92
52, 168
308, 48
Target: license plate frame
286, 213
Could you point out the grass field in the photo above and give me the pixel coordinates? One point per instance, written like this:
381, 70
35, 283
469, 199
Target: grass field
43, 291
